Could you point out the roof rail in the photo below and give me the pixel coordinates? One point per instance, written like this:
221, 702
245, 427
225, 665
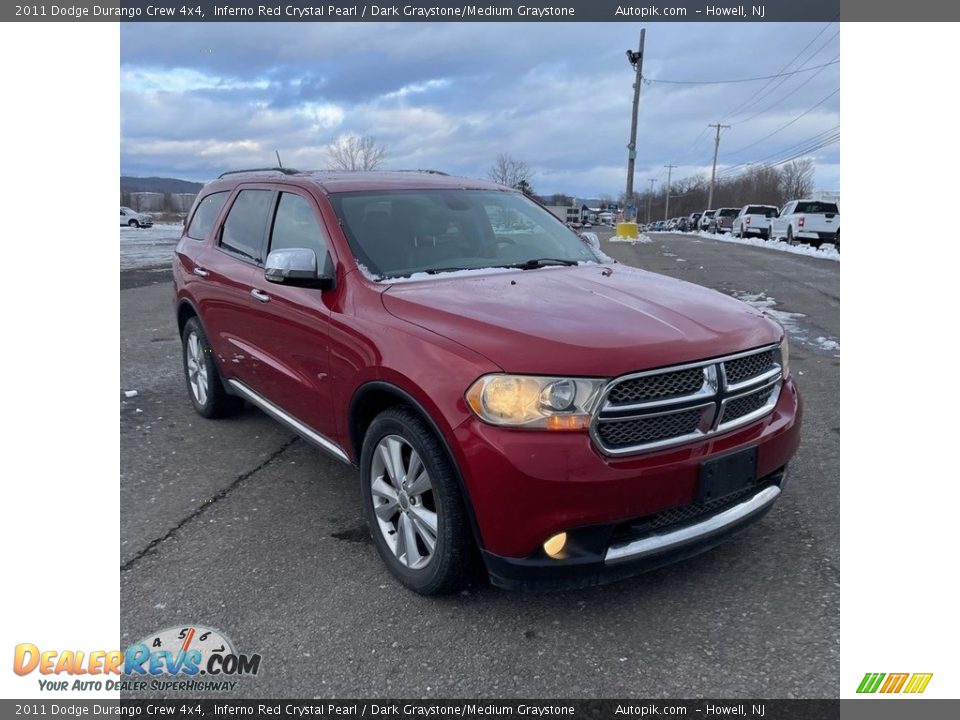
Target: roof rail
285, 171
428, 171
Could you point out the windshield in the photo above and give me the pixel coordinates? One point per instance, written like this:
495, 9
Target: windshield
399, 233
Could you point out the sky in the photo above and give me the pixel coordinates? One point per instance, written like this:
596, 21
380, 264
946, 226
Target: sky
198, 99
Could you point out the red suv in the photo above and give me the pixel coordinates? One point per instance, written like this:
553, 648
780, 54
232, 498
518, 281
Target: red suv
514, 399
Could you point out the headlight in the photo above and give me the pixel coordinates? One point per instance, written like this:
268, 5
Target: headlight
785, 356
530, 401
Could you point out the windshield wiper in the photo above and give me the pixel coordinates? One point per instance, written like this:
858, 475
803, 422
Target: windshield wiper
435, 270
534, 263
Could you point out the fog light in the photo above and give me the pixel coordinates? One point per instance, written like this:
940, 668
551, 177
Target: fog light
555, 545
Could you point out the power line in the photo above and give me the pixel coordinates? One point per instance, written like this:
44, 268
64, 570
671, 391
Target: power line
781, 99
788, 64
788, 149
792, 154
784, 127
740, 80
772, 86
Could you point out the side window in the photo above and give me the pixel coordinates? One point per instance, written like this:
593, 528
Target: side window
244, 227
206, 214
296, 227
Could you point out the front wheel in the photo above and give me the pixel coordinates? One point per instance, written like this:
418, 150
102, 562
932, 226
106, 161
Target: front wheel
133, 224
413, 505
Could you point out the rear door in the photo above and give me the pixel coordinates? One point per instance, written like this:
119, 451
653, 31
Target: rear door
227, 269
290, 325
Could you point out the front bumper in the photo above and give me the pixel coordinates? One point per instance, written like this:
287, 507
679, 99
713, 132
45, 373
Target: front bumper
526, 486
634, 548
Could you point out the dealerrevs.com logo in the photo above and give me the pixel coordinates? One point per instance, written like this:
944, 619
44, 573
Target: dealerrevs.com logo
911, 683
192, 659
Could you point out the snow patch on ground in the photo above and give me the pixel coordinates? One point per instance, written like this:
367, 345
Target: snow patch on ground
824, 252
148, 247
790, 321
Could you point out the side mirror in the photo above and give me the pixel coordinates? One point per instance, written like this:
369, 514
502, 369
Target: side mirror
298, 267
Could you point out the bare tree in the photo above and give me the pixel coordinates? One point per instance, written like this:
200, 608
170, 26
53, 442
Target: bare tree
511, 172
796, 179
352, 152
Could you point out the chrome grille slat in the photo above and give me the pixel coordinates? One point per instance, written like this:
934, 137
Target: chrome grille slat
656, 409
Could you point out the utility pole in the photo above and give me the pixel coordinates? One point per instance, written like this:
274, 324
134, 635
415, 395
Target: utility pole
635, 57
666, 210
713, 173
650, 198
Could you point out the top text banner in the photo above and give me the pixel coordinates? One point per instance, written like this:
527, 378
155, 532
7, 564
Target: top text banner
430, 10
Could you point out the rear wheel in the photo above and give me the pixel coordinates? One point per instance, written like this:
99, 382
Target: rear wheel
413, 504
790, 235
203, 380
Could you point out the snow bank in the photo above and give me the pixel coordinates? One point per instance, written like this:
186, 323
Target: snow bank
825, 252
643, 238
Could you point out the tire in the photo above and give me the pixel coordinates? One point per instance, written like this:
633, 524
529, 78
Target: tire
204, 385
396, 513
790, 235
134, 224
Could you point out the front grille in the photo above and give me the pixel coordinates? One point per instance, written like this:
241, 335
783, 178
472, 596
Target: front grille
643, 430
744, 368
742, 406
657, 409
657, 387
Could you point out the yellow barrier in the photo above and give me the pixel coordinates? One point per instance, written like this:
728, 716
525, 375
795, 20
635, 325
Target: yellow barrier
627, 229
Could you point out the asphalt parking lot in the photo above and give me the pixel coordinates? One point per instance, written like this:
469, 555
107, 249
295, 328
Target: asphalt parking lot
238, 525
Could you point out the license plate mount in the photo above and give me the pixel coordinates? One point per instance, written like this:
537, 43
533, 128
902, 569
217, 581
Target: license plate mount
727, 475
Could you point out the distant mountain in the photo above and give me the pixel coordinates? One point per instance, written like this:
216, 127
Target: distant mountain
129, 183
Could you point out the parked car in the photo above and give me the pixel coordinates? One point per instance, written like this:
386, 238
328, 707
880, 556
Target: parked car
813, 221
706, 218
693, 222
132, 218
516, 402
754, 220
722, 220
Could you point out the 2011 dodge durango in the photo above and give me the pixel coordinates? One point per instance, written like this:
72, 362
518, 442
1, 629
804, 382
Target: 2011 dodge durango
517, 403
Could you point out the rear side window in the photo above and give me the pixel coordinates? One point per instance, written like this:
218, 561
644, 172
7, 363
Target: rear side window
206, 214
295, 226
245, 225
816, 207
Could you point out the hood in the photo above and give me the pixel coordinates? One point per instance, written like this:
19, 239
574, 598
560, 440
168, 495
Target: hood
591, 320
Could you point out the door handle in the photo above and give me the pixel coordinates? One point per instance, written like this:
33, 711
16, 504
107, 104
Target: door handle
259, 295
200, 271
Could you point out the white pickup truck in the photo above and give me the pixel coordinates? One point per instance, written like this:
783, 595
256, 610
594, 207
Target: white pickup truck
754, 220
812, 221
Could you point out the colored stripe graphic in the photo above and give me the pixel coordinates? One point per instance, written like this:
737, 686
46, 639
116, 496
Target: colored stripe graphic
918, 682
894, 682
870, 682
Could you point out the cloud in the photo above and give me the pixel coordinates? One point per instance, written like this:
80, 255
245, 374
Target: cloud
197, 100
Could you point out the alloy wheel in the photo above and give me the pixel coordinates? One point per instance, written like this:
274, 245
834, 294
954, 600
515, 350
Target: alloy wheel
403, 501
197, 369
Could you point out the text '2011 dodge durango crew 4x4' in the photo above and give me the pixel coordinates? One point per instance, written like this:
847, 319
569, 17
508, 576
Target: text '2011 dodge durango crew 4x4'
514, 399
